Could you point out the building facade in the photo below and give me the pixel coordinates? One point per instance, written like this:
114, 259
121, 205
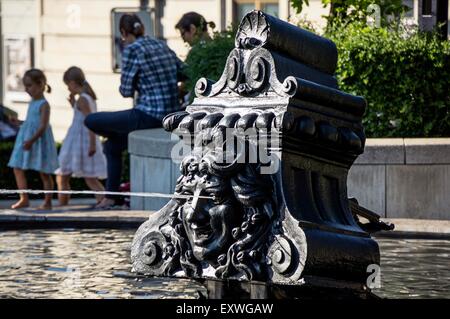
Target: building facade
56, 34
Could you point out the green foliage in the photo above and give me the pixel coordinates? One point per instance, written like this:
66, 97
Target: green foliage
357, 10
8, 181
404, 77
298, 4
207, 59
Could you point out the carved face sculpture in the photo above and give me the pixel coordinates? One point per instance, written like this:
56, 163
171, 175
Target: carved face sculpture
223, 216
208, 221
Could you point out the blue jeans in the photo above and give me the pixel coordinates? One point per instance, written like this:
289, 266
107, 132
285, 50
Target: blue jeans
116, 126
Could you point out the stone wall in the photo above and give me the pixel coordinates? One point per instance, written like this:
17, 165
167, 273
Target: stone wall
403, 178
396, 178
151, 167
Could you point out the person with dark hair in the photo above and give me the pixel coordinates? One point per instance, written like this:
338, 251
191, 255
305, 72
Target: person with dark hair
150, 69
193, 28
35, 147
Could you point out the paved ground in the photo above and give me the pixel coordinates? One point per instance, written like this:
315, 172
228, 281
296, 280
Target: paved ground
418, 228
421, 225
6, 203
80, 213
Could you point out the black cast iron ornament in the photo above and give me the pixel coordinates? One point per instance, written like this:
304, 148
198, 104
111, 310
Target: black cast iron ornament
231, 219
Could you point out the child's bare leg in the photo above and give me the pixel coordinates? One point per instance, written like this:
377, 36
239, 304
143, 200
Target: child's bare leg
95, 185
21, 181
48, 183
63, 182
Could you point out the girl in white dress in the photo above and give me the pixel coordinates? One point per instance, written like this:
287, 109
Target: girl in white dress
81, 153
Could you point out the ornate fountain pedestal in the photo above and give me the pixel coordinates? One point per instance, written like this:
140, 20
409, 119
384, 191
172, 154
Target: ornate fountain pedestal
261, 206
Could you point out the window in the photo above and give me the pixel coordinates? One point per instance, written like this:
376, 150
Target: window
410, 10
17, 58
147, 19
242, 7
426, 8
270, 8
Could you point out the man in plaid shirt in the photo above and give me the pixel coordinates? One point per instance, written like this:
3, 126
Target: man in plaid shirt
150, 72
150, 68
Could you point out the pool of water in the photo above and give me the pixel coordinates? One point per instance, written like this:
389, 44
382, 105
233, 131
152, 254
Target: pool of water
93, 264
77, 264
414, 268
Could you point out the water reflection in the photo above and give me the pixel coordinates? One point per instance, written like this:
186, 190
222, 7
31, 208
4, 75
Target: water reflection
94, 264
414, 268
77, 264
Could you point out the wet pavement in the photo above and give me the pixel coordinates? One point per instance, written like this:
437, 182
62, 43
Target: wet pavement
80, 213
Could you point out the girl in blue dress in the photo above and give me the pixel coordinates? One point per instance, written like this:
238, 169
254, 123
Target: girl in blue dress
35, 147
